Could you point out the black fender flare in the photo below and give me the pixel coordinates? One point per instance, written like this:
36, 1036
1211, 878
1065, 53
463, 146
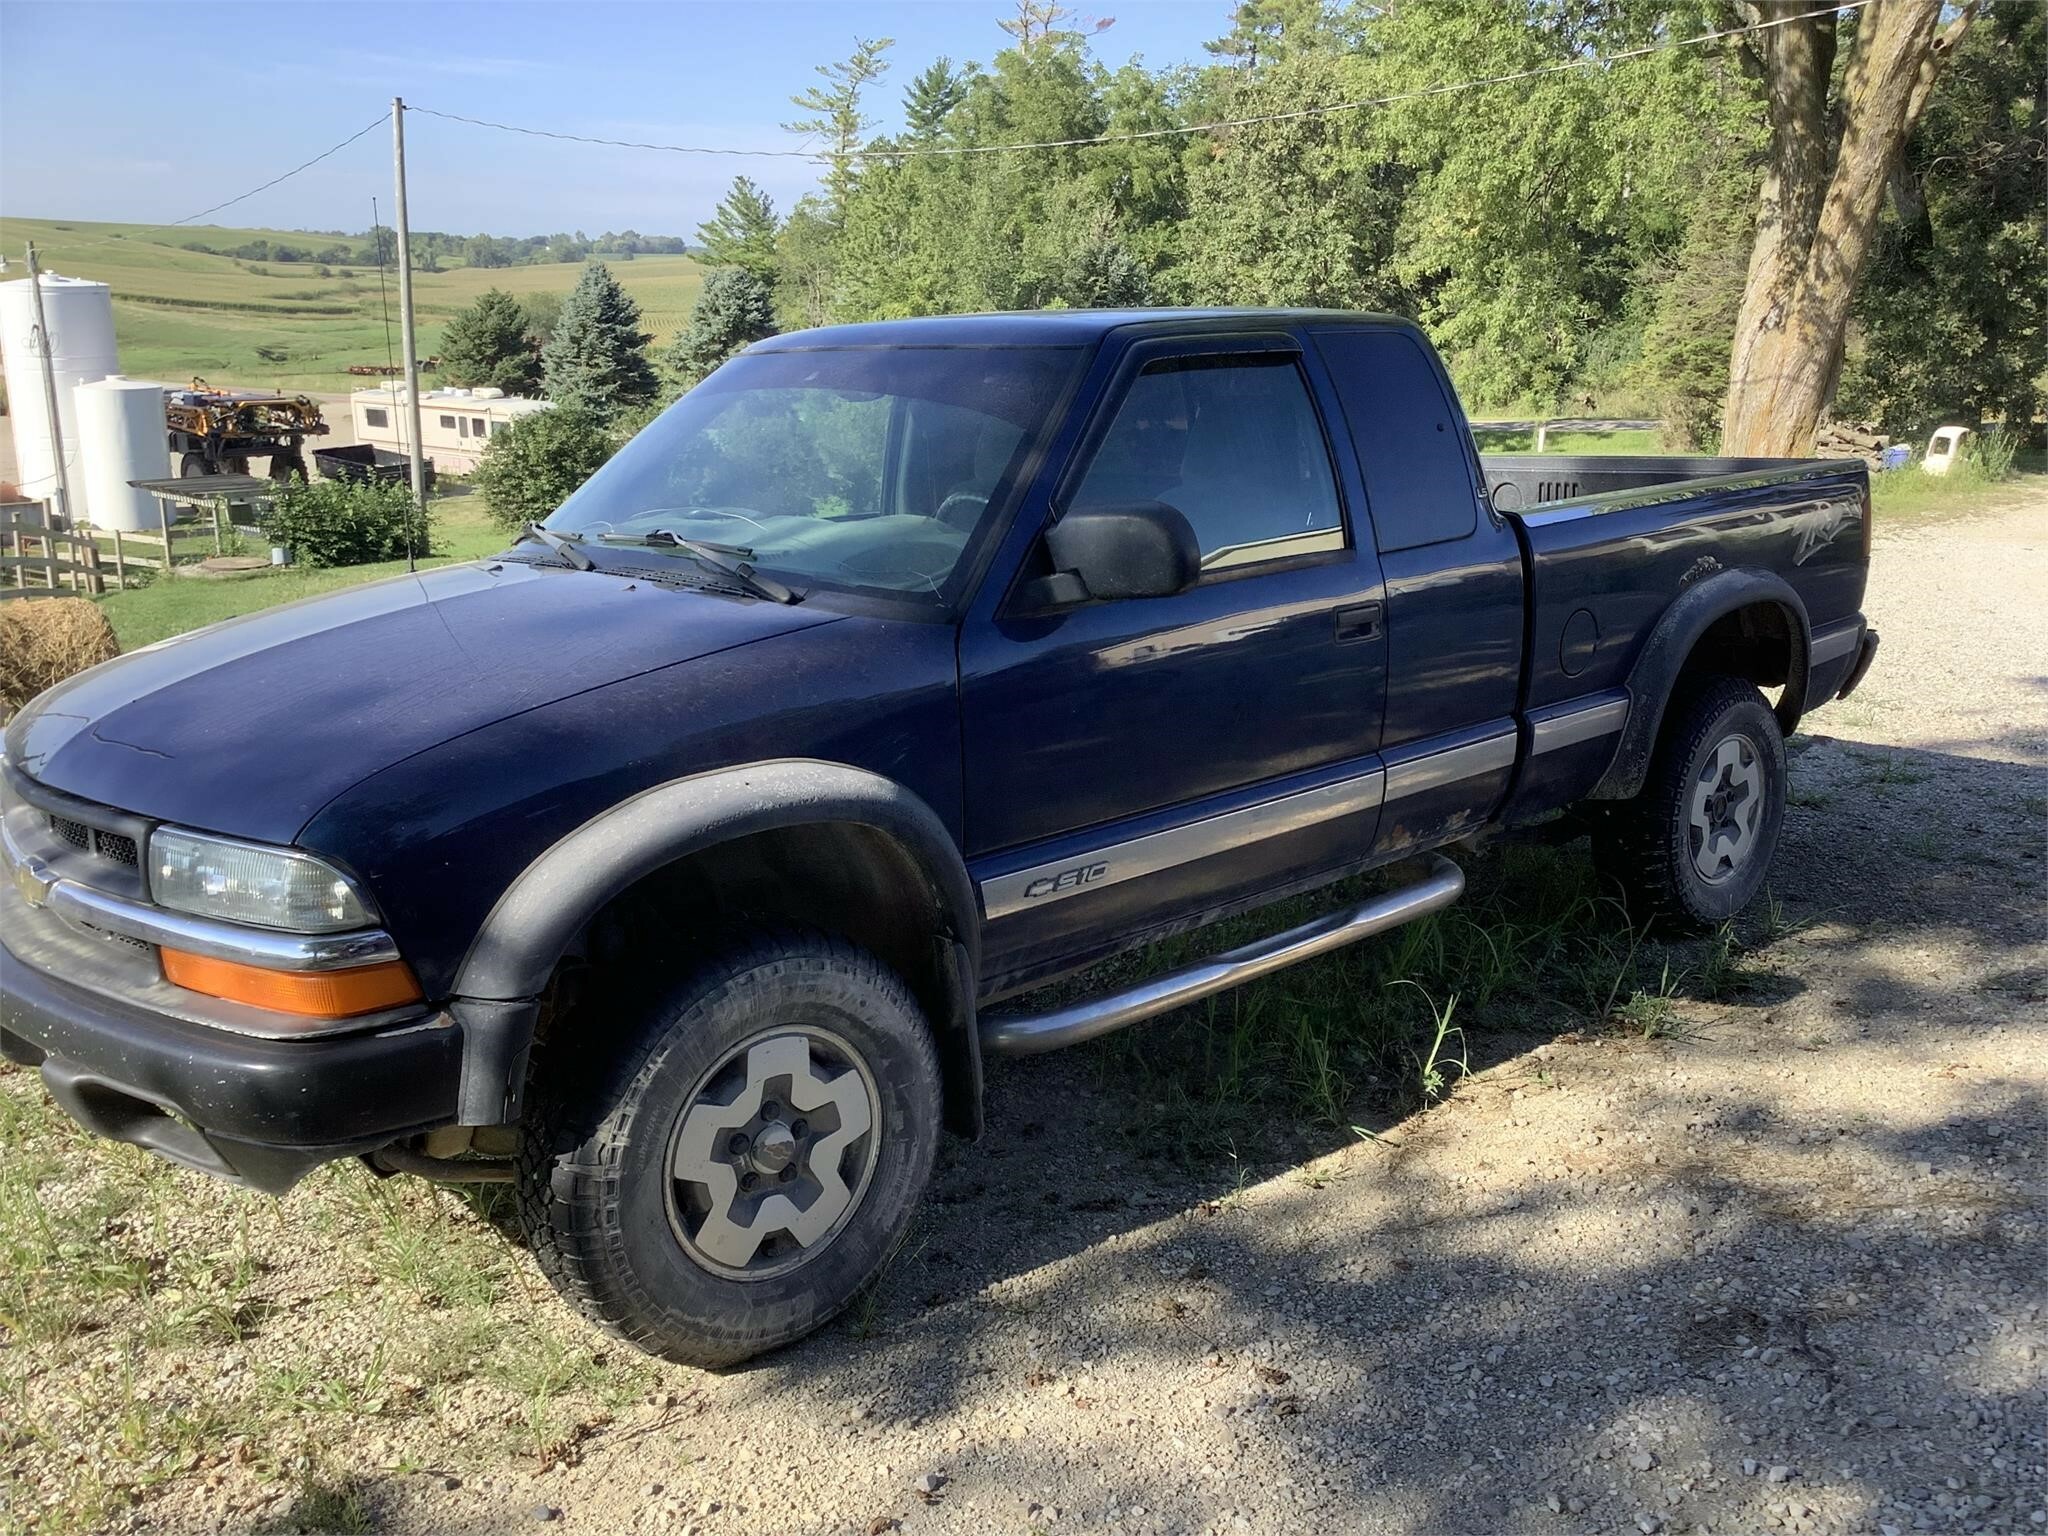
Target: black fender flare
1663, 656
514, 954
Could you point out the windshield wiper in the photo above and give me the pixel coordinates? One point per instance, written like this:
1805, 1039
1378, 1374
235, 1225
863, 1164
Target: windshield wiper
713, 557
561, 545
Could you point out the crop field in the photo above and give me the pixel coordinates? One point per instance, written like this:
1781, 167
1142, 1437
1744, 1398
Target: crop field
178, 313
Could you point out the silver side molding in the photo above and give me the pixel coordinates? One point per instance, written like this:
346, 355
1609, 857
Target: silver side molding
1451, 765
1004, 895
1836, 641
1027, 1034
1566, 725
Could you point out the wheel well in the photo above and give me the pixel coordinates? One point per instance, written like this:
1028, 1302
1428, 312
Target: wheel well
843, 878
1753, 642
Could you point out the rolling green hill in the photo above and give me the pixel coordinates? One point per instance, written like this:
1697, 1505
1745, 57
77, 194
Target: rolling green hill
178, 313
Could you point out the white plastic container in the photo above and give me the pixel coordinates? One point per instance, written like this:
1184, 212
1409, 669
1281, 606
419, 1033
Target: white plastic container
80, 314
1943, 449
121, 437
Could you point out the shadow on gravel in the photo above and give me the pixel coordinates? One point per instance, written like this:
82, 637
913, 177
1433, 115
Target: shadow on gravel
1625, 1322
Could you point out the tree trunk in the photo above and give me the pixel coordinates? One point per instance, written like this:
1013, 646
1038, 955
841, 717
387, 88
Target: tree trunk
1816, 221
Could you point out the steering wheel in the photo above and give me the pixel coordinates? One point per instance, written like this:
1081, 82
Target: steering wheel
962, 510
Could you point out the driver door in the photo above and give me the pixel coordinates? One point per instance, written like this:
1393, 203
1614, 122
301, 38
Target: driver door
1136, 762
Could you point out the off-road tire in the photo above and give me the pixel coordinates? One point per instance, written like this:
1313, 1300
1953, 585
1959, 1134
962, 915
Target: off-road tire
606, 1092
1646, 844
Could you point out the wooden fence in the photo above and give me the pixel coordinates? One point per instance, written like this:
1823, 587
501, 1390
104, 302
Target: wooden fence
40, 561
37, 560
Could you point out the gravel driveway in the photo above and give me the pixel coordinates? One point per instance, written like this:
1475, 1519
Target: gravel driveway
1780, 1269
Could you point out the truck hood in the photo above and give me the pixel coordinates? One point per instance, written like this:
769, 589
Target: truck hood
249, 727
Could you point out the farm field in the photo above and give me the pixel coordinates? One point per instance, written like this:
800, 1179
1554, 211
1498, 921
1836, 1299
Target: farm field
178, 313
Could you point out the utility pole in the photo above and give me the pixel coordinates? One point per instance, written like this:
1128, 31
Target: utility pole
35, 298
405, 332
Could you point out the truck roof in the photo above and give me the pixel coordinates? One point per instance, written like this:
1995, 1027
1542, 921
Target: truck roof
1046, 327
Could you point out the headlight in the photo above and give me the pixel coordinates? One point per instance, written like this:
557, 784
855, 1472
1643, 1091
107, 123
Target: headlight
248, 883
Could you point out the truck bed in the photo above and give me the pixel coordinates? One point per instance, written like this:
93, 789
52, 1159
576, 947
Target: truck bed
1608, 543
1523, 481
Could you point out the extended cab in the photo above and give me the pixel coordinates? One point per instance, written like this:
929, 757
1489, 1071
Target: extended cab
682, 862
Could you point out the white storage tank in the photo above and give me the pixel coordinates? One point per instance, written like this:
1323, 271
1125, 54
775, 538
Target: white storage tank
121, 437
80, 314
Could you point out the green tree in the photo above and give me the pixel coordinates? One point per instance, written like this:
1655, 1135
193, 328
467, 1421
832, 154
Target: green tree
1952, 309
741, 232
542, 312
932, 96
486, 344
533, 466
1301, 211
734, 311
837, 116
596, 360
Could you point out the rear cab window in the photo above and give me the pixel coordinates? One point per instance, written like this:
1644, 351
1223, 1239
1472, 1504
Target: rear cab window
1409, 435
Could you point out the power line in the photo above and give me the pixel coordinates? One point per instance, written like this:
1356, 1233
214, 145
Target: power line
192, 218
937, 151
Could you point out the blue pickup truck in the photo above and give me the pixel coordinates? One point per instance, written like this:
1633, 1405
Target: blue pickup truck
681, 863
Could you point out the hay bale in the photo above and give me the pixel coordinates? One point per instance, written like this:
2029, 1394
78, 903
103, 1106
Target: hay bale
43, 640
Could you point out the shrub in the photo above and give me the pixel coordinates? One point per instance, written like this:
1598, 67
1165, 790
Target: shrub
531, 469
343, 522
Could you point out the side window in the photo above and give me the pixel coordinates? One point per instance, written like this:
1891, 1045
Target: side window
1234, 444
1418, 481
374, 417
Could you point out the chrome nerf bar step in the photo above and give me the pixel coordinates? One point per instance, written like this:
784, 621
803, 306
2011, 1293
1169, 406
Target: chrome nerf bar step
1026, 1034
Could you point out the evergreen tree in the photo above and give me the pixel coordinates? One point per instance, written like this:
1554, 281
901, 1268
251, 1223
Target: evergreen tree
741, 233
932, 96
837, 117
734, 311
486, 344
596, 361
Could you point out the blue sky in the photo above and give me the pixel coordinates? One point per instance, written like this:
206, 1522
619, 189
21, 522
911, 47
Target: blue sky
151, 112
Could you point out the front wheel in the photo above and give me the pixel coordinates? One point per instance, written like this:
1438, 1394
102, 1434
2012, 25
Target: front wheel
750, 1158
1694, 845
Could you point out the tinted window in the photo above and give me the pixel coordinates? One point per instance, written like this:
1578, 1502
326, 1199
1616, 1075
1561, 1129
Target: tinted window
1417, 478
1235, 445
372, 417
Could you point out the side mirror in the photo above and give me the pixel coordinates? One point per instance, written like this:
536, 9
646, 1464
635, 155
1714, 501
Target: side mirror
1130, 549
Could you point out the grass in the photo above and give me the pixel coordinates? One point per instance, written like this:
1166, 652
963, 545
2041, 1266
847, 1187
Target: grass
137, 1344
172, 605
178, 313
1537, 946
1569, 442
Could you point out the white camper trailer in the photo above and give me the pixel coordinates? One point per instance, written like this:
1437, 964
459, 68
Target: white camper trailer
454, 423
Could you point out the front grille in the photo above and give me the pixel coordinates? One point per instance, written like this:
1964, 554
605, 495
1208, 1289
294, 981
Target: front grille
115, 847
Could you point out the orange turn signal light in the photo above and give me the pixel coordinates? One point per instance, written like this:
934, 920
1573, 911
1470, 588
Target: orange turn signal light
310, 994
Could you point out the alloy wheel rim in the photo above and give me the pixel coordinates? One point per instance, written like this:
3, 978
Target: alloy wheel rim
772, 1152
1726, 809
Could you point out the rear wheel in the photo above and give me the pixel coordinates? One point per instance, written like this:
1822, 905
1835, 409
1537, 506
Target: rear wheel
749, 1161
1694, 845
284, 466
192, 465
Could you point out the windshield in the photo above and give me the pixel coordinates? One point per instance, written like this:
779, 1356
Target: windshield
869, 468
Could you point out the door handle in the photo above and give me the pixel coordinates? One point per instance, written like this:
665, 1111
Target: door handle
1361, 621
